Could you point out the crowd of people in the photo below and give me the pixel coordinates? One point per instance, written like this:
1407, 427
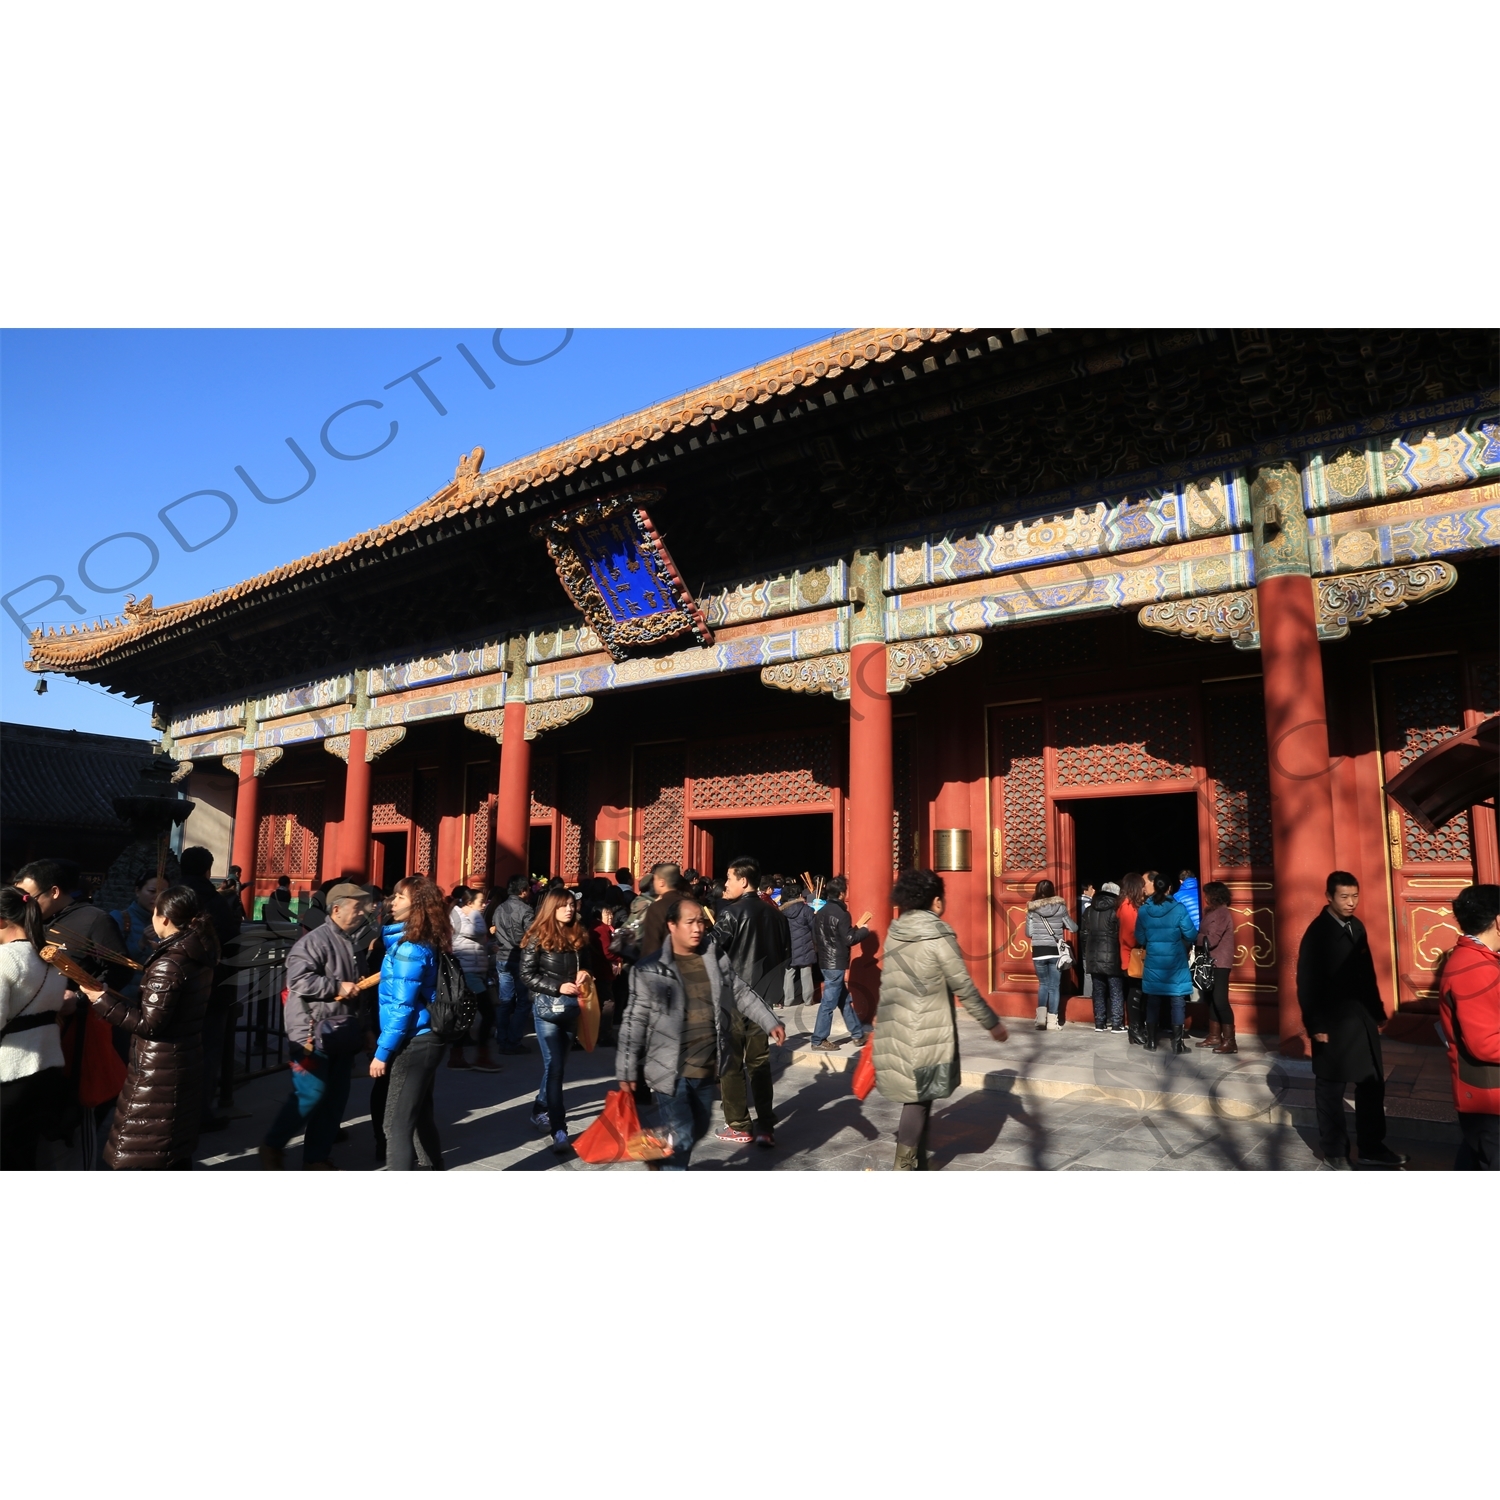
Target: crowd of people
685, 977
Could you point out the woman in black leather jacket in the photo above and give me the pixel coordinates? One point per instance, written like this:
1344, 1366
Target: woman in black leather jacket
556, 948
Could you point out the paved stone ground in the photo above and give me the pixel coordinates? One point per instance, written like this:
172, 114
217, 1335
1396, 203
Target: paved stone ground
1071, 1100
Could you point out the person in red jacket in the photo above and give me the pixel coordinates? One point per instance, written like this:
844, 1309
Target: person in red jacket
1469, 1004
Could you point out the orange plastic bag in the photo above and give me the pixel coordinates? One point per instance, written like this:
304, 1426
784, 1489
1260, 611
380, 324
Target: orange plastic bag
617, 1135
864, 1069
588, 1011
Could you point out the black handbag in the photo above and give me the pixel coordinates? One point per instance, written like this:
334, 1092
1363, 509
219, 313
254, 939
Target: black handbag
1203, 971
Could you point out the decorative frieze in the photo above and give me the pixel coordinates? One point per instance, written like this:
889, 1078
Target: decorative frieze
540, 717
1220, 617
377, 742
1433, 456
1345, 599
1357, 598
906, 662
264, 760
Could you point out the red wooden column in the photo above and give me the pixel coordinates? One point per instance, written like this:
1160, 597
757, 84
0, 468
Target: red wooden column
1302, 838
247, 825
354, 831
449, 867
513, 802
871, 804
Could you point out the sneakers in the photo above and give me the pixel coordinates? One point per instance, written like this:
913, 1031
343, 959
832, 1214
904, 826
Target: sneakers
1099, 1026
765, 1138
1380, 1156
733, 1135
827, 1045
559, 1140
1118, 1027
540, 1119
272, 1160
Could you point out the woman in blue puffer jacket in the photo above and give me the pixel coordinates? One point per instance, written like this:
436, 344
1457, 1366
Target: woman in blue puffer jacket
417, 932
1166, 931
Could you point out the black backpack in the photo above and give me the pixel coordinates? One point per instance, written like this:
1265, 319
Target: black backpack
453, 1007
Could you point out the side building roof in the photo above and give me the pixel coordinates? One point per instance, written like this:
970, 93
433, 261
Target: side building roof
66, 779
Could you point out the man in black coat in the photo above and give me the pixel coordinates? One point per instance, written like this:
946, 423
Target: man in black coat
754, 936
1343, 1014
1100, 941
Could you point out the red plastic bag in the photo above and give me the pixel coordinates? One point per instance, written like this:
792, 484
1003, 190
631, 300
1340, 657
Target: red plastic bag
100, 1073
864, 1069
617, 1135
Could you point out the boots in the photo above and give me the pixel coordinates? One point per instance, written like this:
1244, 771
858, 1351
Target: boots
1178, 1045
1148, 1037
456, 1057
908, 1159
483, 1062
1212, 1039
1053, 1024
1041, 1018
1226, 1038
1133, 1014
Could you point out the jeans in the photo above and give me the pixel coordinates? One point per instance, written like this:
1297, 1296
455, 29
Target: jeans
836, 998
749, 1050
1110, 989
1048, 983
408, 1105
1369, 1114
686, 1115
510, 1010
320, 1090
1153, 1008
798, 977
556, 1038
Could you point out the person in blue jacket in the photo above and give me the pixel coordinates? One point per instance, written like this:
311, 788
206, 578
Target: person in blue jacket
1187, 894
1166, 931
418, 930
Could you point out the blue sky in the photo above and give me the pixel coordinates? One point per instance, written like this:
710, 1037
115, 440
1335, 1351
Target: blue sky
101, 429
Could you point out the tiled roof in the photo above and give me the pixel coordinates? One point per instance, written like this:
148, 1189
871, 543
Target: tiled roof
66, 779
823, 363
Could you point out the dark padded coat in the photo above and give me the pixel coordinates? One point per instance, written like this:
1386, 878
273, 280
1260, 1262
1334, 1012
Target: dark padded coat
157, 1115
1339, 994
1100, 928
801, 922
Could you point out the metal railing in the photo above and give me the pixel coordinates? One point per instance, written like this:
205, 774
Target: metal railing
257, 959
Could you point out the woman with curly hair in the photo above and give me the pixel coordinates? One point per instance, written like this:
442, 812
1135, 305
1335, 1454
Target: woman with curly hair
418, 931
556, 951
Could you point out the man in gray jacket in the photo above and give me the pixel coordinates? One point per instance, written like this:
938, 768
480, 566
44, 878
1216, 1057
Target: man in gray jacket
324, 1031
676, 1033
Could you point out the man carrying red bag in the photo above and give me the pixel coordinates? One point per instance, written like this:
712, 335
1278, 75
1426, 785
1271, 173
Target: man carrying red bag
676, 1032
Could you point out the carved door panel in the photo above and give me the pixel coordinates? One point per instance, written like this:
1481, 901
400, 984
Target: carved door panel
1019, 836
1238, 834
479, 821
290, 833
1421, 705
